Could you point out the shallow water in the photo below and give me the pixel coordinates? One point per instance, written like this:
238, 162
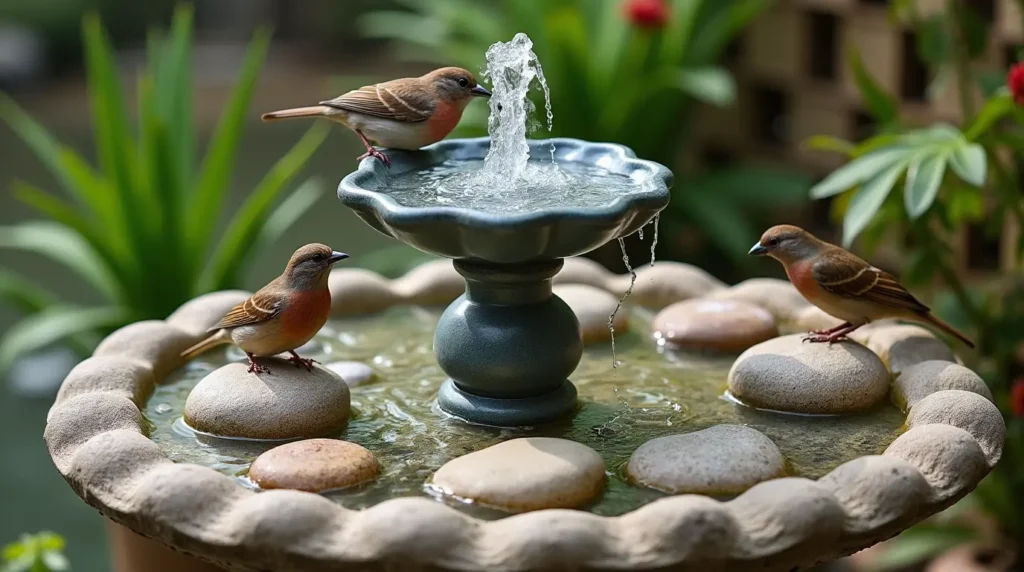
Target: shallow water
652, 393
543, 184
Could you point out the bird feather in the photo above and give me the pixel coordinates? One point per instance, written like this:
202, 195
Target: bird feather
846, 275
398, 100
259, 307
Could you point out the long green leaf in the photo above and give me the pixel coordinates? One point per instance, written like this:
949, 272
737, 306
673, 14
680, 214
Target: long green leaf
215, 177
63, 245
879, 104
969, 163
22, 293
866, 202
712, 85
924, 176
56, 323
289, 212
857, 171
995, 109
237, 242
175, 85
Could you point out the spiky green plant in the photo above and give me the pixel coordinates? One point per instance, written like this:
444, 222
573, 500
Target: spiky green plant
139, 228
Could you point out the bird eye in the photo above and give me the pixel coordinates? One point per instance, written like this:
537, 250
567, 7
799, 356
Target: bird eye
773, 242
318, 257
463, 82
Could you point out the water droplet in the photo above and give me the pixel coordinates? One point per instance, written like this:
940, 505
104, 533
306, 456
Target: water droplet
163, 408
632, 281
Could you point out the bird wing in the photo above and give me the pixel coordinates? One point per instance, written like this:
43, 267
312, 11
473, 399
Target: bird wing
399, 100
846, 275
259, 307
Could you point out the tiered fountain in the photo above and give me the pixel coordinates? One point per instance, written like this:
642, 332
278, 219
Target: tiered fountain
450, 440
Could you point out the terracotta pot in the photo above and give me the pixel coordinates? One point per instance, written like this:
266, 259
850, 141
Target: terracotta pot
130, 552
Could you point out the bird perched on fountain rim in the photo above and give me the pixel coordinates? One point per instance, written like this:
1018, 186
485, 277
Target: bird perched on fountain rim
407, 113
842, 284
281, 316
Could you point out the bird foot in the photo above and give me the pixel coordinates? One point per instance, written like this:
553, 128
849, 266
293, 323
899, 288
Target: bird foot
302, 362
256, 368
371, 152
817, 338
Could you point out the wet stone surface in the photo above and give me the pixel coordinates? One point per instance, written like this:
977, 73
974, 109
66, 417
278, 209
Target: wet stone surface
314, 465
653, 393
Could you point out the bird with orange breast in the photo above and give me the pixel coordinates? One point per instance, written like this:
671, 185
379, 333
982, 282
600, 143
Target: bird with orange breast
407, 113
842, 284
281, 316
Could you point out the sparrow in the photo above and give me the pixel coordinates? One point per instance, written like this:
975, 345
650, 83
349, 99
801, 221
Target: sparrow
406, 113
281, 316
842, 284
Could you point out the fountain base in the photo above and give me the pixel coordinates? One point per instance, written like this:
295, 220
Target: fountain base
508, 346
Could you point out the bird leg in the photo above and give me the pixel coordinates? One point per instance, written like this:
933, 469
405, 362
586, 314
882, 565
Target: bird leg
255, 367
301, 362
834, 335
830, 330
371, 151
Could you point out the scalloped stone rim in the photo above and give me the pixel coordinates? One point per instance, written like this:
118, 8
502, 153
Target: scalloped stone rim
96, 438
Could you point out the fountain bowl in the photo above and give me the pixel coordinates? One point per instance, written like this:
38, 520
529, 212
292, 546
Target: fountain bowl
506, 238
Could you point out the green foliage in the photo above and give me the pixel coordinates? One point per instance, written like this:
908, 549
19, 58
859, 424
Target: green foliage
609, 81
43, 552
140, 228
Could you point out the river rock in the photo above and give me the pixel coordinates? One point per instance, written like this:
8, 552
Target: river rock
903, 345
592, 307
777, 296
353, 372
525, 474
314, 465
788, 374
813, 318
666, 283
433, 283
356, 291
724, 459
287, 403
581, 270
719, 325
923, 379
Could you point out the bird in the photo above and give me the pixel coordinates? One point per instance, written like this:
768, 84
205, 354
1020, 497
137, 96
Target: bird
407, 113
281, 316
843, 285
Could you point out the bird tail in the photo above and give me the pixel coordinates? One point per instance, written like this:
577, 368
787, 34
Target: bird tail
218, 338
314, 111
931, 319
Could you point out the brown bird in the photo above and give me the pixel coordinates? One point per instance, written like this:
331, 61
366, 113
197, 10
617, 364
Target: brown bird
842, 284
282, 315
406, 113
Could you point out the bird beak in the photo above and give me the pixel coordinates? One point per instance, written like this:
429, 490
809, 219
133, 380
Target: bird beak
336, 256
757, 250
480, 91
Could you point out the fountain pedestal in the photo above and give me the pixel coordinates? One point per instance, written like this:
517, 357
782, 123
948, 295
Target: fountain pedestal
508, 346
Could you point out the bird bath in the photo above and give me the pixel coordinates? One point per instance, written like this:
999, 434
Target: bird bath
665, 466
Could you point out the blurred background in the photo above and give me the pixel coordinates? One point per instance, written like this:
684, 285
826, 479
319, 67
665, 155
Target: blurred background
136, 174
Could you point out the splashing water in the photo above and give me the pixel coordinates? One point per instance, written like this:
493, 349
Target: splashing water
509, 179
615, 312
654, 241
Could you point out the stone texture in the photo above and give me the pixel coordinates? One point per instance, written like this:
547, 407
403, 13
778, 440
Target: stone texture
813, 318
81, 418
949, 458
525, 474
353, 372
287, 403
356, 291
777, 296
666, 283
434, 283
724, 459
876, 492
783, 513
152, 342
718, 325
903, 345
787, 374
925, 378
314, 465
968, 411
121, 376
592, 307
581, 270
203, 312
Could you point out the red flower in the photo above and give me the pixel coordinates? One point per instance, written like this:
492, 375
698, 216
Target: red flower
1017, 398
1015, 81
650, 13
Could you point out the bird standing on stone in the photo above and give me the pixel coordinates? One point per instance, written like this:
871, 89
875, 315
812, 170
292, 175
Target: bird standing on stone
406, 113
281, 316
842, 284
